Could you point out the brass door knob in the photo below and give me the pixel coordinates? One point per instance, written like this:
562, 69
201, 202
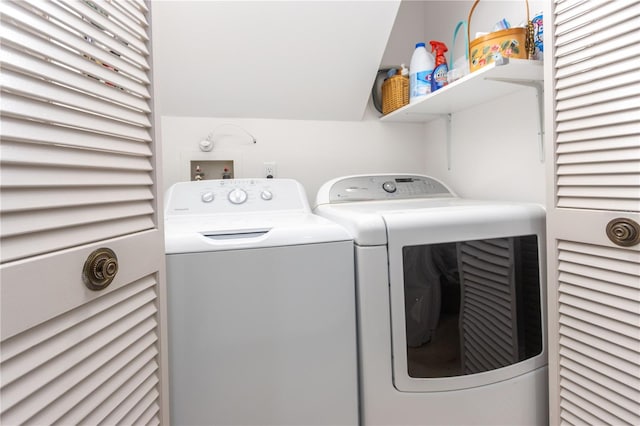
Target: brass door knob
100, 269
623, 232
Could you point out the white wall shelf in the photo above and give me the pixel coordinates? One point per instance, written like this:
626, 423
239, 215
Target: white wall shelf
488, 83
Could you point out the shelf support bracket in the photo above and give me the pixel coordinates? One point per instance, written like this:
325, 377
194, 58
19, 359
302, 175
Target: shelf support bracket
539, 86
540, 95
447, 120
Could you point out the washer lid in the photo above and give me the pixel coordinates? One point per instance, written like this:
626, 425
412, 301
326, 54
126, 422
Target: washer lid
243, 213
190, 235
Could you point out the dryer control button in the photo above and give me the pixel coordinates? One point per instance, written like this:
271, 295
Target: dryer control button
207, 197
389, 186
237, 196
266, 195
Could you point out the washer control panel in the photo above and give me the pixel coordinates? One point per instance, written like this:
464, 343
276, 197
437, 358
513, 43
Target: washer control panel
235, 195
385, 187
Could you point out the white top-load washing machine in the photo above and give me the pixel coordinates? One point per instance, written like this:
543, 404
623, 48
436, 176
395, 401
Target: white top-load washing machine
261, 305
451, 302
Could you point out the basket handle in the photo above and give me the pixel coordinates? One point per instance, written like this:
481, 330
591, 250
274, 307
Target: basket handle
475, 3
466, 42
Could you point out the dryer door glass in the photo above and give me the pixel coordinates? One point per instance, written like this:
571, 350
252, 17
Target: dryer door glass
471, 306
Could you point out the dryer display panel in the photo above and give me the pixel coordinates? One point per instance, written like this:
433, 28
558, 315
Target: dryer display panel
471, 306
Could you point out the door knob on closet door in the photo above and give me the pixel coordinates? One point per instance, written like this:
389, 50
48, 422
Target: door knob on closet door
100, 269
623, 232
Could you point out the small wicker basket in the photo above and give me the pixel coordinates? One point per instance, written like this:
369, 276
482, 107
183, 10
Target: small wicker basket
395, 93
512, 42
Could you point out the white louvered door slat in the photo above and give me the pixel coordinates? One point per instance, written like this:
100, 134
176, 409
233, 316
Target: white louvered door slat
571, 50
85, 396
24, 40
136, 28
46, 330
611, 143
65, 37
45, 111
595, 110
609, 52
77, 174
133, 415
576, 8
19, 177
584, 352
61, 13
14, 59
22, 399
604, 299
99, 18
592, 84
36, 132
621, 80
29, 86
600, 385
133, 11
623, 154
591, 403
138, 4
580, 367
599, 133
619, 345
44, 155
600, 118
20, 199
581, 12
35, 357
122, 369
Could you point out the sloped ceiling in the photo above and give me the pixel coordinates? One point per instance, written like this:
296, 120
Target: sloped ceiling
313, 60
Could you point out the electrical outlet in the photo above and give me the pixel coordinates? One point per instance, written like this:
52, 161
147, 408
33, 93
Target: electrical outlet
269, 169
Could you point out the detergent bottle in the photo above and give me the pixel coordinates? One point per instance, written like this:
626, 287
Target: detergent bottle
420, 72
439, 75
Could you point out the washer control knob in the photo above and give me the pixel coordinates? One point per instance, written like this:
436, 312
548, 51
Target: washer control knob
266, 195
207, 197
237, 196
389, 186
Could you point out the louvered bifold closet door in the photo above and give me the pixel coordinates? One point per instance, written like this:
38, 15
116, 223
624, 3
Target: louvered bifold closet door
598, 104
594, 283
75, 124
78, 173
599, 347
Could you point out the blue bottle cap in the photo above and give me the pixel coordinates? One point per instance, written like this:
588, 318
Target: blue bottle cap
420, 45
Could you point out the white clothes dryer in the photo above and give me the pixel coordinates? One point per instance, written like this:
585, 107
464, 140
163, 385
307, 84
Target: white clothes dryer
451, 302
261, 307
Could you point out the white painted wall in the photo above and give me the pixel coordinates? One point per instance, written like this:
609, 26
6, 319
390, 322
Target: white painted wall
495, 150
311, 152
268, 59
494, 147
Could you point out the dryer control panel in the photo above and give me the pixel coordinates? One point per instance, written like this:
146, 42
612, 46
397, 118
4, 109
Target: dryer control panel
235, 196
382, 187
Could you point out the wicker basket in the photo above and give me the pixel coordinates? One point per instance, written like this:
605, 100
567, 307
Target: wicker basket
512, 42
395, 93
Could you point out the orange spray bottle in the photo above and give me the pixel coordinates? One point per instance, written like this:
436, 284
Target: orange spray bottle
439, 75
